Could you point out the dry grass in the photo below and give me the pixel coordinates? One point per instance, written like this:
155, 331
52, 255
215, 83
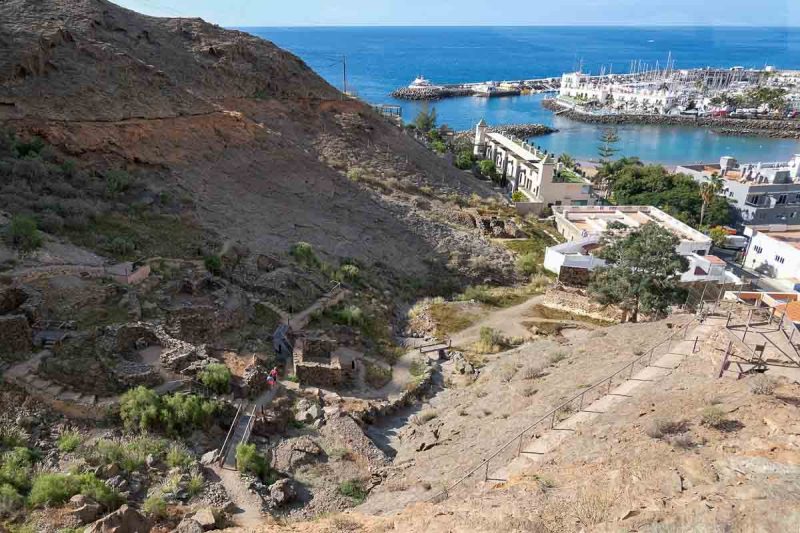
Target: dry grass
425, 416
532, 372
593, 505
762, 385
663, 427
714, 417
377, 376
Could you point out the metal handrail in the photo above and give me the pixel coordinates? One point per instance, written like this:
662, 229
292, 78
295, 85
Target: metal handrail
225, 443
552, 413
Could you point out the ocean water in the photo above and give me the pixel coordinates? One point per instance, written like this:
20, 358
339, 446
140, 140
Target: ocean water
381, 59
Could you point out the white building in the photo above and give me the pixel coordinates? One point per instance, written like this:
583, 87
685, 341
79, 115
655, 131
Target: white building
761, 193
583, 227
531, 171
774, 251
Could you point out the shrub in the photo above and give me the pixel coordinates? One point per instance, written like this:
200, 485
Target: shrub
351, 315
417, 367
557, 358
518, 196
304, 254
178, 457
762, 384
213, 264
293, 378
56, 488
155, 506
128, 455
714, 417
117, 181
16, 469
487, 168
438, 146
12, 436
69, 441
355, 174
377, 376
22, 233
491, 341
465, 160
426, 416
121, 246
532, 372
353, 489
139, 409
30, 148
348, 273
249, 460
528, 264
341, 453
195, 485
662, 427
10, 499
216, 377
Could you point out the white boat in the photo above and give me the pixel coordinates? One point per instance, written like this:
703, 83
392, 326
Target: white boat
420, 83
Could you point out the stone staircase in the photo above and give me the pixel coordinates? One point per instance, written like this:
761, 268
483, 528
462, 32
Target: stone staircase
59, 397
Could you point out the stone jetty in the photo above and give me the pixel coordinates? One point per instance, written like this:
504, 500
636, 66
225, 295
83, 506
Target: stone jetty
431, 93
757, 127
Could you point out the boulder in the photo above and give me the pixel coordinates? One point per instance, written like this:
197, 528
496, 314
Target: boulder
205, 517
294, 453
188, 525
281, 492
124, 520
85, 510
209, 457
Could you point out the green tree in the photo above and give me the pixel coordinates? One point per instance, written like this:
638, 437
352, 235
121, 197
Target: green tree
708, 191
642, 272
425, 120
566, 160
608, 143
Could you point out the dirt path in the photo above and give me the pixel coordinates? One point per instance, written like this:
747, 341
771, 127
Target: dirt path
507, 321
248, 504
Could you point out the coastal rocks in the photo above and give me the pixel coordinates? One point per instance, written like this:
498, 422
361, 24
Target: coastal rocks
728, 126
523, 131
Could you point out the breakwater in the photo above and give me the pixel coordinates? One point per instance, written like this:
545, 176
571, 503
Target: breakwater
507, 88
520, 131
775, 128
431, 93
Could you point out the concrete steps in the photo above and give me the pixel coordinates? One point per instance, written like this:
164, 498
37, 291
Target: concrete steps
543, 440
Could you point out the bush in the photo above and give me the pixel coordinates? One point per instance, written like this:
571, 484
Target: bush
439, 146
304, 254
17, 467
69, 441
353, 489
216, 377
122, 246
195, 485
488, 169
23, 234
155, 506
129, 455
714, 417
464, 160
178, 457
350, 315
417, 368
249, 460
139, 409
347, 273
10, 499
56, 488
377, 376
12, 436
519, 196
355, 174
491, 341
662, 427
30, 148
213, 264
426, 416
117, 181
532, 372
528, 264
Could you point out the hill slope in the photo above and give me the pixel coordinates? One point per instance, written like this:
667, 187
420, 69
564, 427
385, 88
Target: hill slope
256, 140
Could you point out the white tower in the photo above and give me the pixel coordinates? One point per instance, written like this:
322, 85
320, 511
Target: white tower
480, 139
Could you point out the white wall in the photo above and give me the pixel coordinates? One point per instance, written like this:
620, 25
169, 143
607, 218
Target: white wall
765, 260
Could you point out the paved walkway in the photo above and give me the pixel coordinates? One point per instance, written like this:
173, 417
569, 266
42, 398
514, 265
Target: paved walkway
535, 450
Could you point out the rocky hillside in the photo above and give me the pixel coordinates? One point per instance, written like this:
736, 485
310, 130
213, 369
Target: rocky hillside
257, 147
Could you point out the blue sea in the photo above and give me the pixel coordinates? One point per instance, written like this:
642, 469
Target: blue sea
381, 59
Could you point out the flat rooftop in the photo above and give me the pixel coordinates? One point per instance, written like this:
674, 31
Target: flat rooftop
515, 147
594, 220
790, 235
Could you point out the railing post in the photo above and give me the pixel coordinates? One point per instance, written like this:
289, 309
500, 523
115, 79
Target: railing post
486, 472
609, 386
794, 328
728, 321
749, 316
747, 327
630, 375
580, 404
553, 419
519, 449
694, 348
771, 315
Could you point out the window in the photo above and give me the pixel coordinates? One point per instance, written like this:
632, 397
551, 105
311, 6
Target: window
779, 259
781, 199
758, 249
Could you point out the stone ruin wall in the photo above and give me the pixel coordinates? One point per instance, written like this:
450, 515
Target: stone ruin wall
574, 277
576, 301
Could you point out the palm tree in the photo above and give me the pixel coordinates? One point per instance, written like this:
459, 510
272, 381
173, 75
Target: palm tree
708, 191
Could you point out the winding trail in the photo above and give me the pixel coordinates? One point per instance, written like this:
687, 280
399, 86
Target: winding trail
508, 321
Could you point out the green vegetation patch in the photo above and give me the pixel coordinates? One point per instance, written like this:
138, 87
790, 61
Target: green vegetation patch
175, 414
